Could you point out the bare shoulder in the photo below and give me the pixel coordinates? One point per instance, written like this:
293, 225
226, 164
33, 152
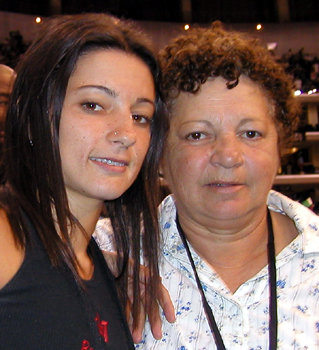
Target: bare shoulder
11, 256
284, 229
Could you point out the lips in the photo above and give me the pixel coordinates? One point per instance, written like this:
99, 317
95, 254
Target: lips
224, 184
109, 161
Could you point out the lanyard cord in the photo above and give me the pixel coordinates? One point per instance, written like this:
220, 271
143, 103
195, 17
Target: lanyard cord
273, 316
273, 322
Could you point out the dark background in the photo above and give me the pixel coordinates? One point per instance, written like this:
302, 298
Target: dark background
199, 11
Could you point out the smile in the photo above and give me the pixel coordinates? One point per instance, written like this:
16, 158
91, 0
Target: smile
108, 161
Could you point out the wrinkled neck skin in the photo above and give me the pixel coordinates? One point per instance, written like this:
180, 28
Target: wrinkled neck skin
237, 249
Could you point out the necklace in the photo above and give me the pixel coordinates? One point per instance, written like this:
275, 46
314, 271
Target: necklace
273, 321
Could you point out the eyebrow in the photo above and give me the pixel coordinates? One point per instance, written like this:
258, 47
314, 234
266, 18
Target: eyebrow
114, 94
4, 94
104, 89
145, 100
202, 121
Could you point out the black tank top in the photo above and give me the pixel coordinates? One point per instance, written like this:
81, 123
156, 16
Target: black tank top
42, 307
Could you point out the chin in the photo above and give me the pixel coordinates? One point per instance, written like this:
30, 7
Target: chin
111, 195
229, 211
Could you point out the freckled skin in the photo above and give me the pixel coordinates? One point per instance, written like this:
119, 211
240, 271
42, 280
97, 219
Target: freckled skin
109, 102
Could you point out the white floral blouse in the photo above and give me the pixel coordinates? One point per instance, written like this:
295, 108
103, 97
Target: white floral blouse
242, 317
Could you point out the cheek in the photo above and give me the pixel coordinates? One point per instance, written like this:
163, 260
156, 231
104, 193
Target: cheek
263, 165
273, 159
194, 157
171, 158
184, 164
73, 142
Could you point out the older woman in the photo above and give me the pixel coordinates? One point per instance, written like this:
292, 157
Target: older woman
239, 260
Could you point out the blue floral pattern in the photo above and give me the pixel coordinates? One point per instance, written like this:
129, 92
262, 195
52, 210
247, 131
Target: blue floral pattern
242, 317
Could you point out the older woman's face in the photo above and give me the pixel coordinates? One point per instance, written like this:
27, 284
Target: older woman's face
221, 155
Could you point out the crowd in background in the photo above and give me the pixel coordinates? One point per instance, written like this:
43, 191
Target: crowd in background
302, 66
12, 48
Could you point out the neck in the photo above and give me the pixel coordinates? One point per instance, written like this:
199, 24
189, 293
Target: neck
226, 238
237, 251
87, 217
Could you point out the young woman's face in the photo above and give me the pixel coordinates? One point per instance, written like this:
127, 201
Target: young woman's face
105, 124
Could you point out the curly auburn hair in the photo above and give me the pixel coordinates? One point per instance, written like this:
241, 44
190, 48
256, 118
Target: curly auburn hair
189, 60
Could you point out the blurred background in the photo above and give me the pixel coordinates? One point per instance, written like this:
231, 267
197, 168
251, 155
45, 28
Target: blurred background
288, 28
201, 11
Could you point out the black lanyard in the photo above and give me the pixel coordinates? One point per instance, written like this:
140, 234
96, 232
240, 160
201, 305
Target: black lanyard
273, 322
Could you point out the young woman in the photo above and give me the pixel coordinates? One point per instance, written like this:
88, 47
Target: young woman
83, 134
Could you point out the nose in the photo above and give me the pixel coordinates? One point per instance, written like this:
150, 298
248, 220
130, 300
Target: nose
123, 132
227, 152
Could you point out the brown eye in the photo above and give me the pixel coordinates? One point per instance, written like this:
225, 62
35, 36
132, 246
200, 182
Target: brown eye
141, 119
92, 106
195, 136
251, 134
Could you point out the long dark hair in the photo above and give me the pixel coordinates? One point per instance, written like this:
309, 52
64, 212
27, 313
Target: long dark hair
32, 164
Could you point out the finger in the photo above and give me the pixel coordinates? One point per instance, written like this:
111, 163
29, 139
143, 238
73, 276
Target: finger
155, 322
138, 330
128, 314
166, 304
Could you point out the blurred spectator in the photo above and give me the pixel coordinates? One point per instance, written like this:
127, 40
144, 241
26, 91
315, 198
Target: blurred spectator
12, 48
303, 68
7, 76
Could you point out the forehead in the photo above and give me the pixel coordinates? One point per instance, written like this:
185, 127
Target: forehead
106, 56
215, 96
115, 65
6, 80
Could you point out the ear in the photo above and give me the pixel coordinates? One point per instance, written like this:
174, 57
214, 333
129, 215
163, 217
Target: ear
160, 169
165, 191
161, 175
